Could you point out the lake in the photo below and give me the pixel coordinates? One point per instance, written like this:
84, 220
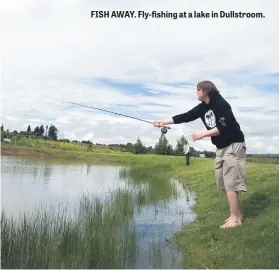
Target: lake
119, 217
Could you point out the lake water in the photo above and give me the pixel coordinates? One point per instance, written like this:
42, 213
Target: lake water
161, 207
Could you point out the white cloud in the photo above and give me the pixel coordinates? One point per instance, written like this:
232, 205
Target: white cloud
49, 48
11, 118
35, 121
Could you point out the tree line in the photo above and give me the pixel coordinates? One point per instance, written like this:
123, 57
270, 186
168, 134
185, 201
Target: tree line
39, 131
162, 147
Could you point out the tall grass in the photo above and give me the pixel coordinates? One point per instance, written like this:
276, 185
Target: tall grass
97, 236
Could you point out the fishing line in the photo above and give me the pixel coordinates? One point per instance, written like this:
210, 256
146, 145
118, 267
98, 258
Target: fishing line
164, 129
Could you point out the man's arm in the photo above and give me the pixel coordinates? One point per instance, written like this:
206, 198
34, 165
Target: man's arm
209, 133
189, 116
212, 132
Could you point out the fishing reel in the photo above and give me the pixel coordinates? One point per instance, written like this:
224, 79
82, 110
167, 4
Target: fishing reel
164, 129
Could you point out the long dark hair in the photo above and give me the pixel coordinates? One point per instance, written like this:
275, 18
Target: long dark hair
208, 87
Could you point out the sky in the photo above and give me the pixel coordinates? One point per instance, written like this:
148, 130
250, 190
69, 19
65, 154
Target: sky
146, 68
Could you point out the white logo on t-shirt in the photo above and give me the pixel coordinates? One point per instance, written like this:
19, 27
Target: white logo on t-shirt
222, 121
210, 119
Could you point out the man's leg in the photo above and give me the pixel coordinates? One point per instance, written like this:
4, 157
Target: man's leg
235, 181
231, 200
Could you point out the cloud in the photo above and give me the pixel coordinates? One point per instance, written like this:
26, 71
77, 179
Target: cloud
144, 68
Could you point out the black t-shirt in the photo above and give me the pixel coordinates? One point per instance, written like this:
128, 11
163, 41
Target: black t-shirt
217, 113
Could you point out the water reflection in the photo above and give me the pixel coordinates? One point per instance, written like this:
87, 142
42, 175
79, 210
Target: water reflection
144, 198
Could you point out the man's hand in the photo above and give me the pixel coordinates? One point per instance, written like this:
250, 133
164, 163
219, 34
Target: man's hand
209, 133
161, 123
198, 135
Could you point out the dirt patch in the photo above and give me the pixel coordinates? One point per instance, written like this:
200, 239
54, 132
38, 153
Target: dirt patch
9, 150
56, 154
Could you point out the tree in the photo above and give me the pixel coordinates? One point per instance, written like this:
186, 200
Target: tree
163, 147
89, 147
194, 153
149, 150
41, 131
86, 142
37, 131
170, 150
179, 149
208, 154
52, 132
64, 140
29, 129
139, 147
2, 128
130, 147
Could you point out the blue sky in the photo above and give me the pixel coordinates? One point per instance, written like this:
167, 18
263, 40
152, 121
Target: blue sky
132, 88
264, 81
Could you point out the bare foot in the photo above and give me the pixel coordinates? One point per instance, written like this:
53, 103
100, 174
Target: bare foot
240, 217
231, 224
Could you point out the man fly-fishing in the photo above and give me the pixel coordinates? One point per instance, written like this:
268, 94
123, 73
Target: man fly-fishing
225, 132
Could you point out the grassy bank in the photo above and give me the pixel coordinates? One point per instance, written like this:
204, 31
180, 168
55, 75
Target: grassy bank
254, 245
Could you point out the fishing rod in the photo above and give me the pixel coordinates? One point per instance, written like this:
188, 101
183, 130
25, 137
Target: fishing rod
164, 129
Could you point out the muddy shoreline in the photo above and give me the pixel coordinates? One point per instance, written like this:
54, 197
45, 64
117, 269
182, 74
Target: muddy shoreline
58, 154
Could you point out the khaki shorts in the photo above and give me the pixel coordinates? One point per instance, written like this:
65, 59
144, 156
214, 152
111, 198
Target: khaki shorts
230, 167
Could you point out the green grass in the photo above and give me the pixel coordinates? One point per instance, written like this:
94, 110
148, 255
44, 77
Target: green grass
96, 237
254, 245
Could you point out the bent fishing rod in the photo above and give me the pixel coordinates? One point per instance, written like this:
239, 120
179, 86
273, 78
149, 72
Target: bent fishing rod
164, 129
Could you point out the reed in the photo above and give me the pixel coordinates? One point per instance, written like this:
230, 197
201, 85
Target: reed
96, 236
